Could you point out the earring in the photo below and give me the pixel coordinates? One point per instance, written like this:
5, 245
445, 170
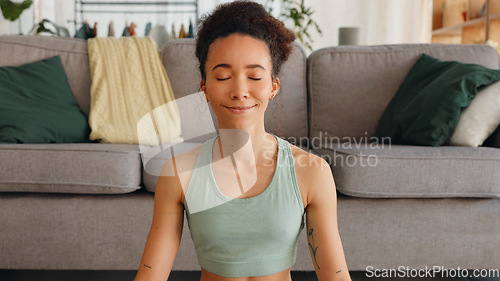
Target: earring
272, 97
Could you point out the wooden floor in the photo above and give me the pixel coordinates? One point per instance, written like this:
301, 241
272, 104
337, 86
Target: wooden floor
107, 275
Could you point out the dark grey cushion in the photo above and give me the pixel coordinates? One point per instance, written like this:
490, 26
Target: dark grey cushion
70, 168
494, 139
400, 171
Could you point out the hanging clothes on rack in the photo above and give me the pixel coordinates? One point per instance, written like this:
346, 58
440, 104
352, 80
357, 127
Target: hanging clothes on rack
131, 29
190, 31
182, 32
111, 29
126, 30
148, 29
85, 32
159, 34
127, 8
172, 34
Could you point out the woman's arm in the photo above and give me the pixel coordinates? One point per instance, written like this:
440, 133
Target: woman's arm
322, 232
166, 229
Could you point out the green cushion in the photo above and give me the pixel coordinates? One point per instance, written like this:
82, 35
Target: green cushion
427, 105
37, 105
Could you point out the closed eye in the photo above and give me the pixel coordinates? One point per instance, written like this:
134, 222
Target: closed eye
222, 79
255, 79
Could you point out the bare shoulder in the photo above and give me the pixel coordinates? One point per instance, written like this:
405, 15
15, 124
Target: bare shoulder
314, 174
176, 173
180, 163
309, 164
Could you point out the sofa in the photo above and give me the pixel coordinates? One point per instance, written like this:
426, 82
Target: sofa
89, 206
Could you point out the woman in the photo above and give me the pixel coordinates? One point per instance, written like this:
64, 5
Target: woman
245, 191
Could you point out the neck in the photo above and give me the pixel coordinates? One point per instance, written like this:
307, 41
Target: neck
247, 147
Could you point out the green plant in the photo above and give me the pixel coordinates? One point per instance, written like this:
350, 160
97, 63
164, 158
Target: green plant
41, 27
300, 15
11, 11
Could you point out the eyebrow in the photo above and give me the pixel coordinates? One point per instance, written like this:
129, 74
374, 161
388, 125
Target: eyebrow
250, 66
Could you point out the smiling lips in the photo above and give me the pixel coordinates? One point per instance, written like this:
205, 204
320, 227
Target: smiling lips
240, 109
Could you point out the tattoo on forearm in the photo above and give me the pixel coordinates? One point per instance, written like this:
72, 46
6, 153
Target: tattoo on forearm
313, 248
147, 266
338, 271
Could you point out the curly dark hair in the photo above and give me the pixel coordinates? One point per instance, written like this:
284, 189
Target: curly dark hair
249, 18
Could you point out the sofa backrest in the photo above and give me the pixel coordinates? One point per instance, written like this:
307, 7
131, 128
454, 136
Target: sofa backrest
18, 50
338, 92
286, 115
350, 86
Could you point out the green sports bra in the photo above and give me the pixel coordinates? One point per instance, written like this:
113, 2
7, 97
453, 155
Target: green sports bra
254, 236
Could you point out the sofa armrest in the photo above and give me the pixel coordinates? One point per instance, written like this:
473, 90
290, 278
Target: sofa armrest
494, 139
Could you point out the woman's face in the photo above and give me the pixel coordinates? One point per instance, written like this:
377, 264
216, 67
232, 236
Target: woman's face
239, 80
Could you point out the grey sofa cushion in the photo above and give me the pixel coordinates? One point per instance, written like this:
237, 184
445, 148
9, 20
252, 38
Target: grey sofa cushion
286, 115
76, 231
388, 233
18, 50
400, 171
109, 232
356, 83
70, 168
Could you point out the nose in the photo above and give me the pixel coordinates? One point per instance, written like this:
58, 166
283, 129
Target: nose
240, 90
240, 96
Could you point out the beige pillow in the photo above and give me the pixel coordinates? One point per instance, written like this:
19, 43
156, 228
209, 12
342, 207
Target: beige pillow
480, 119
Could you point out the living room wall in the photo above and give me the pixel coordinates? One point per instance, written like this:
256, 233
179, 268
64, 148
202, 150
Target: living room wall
379, 21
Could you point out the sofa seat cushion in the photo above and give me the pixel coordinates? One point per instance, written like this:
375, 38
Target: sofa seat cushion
90, 168
399, 171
